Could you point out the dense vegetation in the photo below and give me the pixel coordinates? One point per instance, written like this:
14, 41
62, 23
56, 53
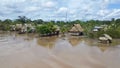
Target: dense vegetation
46, 28
113, 26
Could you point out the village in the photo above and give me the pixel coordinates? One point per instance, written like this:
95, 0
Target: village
59, 33
102, 31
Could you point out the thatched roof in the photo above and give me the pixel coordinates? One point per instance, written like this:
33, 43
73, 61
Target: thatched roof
76, 28
28, 25
106, 37
18, 25
57, 27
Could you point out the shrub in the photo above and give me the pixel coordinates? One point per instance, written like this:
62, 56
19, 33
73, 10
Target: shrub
46, 28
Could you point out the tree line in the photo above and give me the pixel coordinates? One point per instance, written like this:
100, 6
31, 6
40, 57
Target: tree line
114, 25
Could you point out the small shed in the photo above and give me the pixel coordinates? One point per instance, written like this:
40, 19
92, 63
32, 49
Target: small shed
18, 27
105, 38
76, 30
97, 28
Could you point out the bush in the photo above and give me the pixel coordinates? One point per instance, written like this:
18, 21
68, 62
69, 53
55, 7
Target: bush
46, 28
113, 31
4, 27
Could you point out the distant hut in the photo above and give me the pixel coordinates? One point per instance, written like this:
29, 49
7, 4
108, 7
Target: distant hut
105, 38
76, 30
18, 27
23, 30
30, 28
12, 27
27, 28
57, 29
97, 28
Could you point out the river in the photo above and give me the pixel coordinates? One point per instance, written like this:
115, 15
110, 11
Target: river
31, 51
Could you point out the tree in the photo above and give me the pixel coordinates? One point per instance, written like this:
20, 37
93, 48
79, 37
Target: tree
22, 19
46, 28
39, 21
7, 21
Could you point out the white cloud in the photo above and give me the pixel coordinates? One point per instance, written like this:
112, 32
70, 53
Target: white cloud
103, 12
56, 9
114, 13
31, 8
114, 1
62, 10
49, 4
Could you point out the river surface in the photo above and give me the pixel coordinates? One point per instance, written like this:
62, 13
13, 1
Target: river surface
31, 51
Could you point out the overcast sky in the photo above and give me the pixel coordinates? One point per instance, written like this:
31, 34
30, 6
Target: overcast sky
58, 9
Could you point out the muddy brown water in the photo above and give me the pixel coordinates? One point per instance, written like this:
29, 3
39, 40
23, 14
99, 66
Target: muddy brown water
28, 51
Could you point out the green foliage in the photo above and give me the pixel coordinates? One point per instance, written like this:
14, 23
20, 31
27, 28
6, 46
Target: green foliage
46, 28
4, 27
39, 21
113, 30
96, 34
63, 29
23, 19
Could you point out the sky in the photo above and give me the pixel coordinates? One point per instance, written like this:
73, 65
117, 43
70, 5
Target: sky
60, 9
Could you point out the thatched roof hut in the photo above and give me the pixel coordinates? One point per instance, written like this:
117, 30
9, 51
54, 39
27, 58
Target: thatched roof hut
76, 28
56, 27
105, 38
18, 25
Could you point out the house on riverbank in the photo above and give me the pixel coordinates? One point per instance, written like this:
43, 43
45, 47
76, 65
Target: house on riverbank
105, 38
99, 28
76, 30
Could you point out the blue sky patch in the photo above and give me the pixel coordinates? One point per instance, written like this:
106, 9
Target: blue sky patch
114, 6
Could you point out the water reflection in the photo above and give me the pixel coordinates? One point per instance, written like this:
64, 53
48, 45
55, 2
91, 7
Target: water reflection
51, 42
48, 42
75, 40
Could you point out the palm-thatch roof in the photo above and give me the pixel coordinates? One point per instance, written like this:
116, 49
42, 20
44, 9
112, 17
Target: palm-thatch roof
76, 28
57, 27
18, 25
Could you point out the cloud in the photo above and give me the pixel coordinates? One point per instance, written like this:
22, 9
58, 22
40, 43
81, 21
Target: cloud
31, 8
49, 4
103, 12
62, 10
115, 13
57, 9
114, 1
